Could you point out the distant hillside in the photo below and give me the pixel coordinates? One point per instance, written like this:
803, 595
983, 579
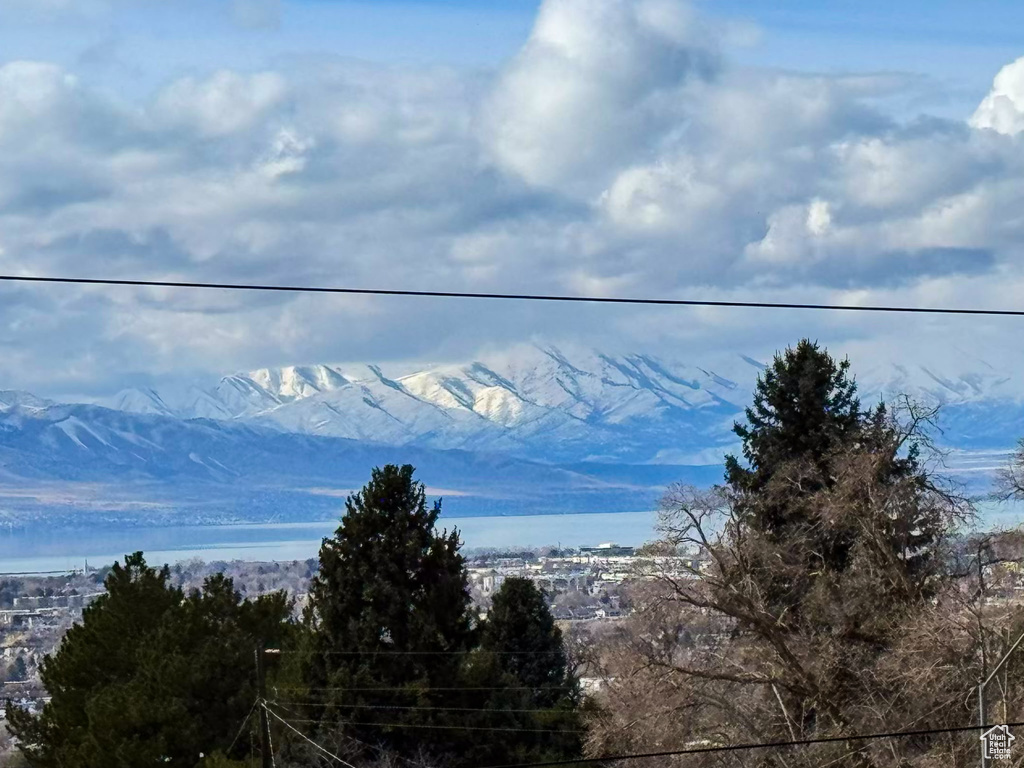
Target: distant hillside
77, 459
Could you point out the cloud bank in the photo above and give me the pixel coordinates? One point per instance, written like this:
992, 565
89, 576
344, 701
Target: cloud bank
620, 152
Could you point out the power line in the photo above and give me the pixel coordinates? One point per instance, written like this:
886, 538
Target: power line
414, 689
509, 296
241, 728
449, 727
475, 652
273, 761
331, 705
350, 737
300, 733
757, 745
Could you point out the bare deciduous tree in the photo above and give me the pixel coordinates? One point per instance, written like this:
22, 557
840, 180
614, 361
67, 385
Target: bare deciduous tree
746, 637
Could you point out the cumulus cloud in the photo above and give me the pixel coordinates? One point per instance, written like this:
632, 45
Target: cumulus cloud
1002, 110
598, 81
32, 93
222, 104
619, 153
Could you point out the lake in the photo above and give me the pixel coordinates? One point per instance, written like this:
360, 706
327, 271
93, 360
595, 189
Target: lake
40, 548
52, 549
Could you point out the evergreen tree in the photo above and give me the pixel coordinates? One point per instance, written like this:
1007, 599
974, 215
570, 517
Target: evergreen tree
804, 432
805, 407
520, 633
150, 674
522, 664
389, 619
821, 554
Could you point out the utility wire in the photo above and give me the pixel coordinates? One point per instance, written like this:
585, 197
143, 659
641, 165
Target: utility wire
425, 653
288, 725
241, 728
315, 703
916, 720
757, 745
270, 741
414, 689
353, 739
509, 296
450, 727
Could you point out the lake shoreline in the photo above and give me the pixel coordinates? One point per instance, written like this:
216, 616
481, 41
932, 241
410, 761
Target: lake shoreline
44, 548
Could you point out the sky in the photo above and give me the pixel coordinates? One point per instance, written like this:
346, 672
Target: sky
846, 152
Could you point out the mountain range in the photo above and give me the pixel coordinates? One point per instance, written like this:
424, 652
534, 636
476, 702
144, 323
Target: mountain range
540, 404
537, 428
549, 404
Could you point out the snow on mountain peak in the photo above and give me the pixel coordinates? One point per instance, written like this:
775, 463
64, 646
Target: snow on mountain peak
541, 401
294, 382
140, 400
13, 398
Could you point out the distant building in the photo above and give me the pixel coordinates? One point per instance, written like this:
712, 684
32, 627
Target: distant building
488, 580
608, 549
27, 619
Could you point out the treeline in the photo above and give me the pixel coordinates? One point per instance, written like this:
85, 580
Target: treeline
836, 590
387, 663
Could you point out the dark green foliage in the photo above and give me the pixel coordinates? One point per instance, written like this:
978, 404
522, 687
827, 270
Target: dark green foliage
392, 642
805, 410
522, 657
389, 611
825, 558
9, 589
805, 407
521, 635
388, 663
150, 673
817, 467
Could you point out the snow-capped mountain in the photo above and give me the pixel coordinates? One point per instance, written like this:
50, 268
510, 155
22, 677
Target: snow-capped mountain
534, 429
11, 398
536, 402
545, 403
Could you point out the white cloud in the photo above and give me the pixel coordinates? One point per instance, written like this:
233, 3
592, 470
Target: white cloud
819, 218
792, 236
620, 152
288, 154
224, 103
595, 86
663, 197
32, 92
1002, 109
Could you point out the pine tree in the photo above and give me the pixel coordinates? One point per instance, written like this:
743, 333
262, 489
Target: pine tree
389, 617
521, 634
805, 407
821, 554
523, 663
150, 674
804, 432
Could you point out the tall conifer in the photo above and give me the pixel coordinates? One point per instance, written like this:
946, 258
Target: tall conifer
389, 615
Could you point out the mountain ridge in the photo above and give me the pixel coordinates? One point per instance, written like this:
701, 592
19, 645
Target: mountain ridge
62, 461
540, 430
546, 403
